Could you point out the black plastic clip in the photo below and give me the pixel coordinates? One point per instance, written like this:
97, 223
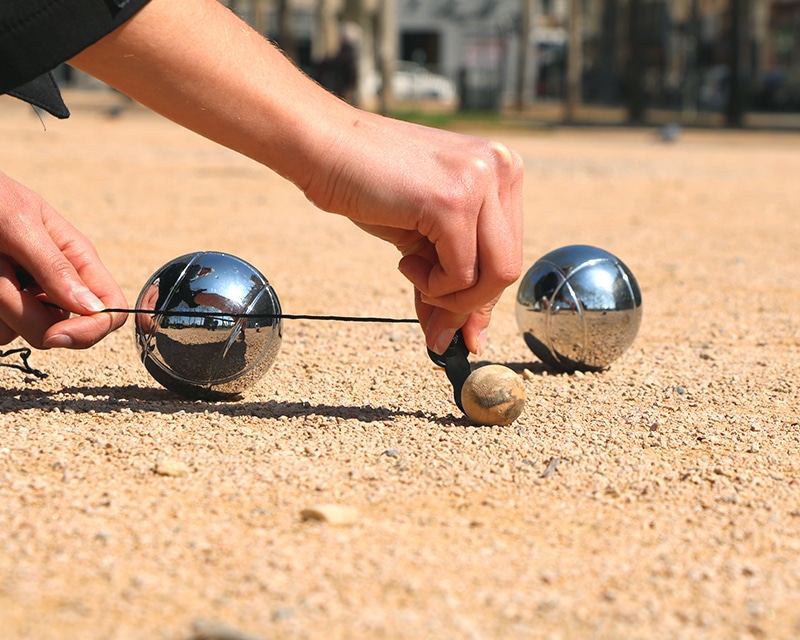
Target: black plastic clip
455, 363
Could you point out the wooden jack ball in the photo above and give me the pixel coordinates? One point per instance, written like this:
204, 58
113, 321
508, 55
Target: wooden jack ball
493, 395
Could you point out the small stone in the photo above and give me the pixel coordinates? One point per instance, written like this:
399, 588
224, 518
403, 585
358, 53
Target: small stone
528, 375
282, 613
171, 467
210, 630
333, 514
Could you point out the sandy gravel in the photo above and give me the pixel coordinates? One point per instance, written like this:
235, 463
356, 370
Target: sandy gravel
658, 499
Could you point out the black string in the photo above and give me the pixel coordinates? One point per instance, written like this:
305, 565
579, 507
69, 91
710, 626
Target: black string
24, 353
25, 280
286, 316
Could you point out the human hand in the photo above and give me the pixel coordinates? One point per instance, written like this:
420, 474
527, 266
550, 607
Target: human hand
451, 204
48, 271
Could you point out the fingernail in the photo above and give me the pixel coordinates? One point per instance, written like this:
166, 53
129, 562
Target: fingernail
58, 341
482, 338
443, 340
88, 300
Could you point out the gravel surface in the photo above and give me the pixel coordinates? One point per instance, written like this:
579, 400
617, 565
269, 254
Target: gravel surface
345, 496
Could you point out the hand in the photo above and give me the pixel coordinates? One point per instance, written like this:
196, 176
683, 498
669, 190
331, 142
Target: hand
59, 266
451, 204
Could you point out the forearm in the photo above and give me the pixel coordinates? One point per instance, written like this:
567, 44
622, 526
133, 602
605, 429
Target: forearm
451, 204
197, 64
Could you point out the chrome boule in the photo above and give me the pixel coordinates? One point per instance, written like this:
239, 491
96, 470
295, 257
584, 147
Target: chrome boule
215, 329
579, 308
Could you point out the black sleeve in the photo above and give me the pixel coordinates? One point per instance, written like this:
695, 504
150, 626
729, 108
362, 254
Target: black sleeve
38, 35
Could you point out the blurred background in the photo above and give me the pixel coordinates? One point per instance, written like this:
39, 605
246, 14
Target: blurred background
707, 62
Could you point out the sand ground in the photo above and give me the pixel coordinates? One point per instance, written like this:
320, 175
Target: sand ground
657, 499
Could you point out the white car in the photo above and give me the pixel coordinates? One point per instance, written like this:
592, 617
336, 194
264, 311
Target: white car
412, 81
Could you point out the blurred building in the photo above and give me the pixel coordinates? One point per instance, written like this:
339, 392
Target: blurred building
475, 44
683, 48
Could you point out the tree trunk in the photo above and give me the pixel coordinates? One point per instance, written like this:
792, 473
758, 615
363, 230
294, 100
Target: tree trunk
387, 48
574, 61
361, 13
260, 16
737, 87
285, 31
524, 61
636, 97
326, 31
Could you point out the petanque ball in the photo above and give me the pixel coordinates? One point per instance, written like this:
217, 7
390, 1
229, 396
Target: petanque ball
579, 308
195, 341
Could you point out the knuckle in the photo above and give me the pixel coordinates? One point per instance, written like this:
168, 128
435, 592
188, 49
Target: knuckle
509, 273
61, 269
504, 160
510, 269
465, 279
460, 196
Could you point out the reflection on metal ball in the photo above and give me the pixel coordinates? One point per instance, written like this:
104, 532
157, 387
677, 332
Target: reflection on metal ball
196, 343
579, 308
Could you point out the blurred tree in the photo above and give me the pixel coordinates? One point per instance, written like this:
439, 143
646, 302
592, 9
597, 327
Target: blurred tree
574, 61
524, 62
739, 71
386, 36
635, 66
361, 14
260, 16
285, 31
691, 80
326, 37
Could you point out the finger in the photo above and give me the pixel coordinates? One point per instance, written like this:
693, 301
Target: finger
96, 289
417, 269
22, 312
476, 329
499, 258
475, 265
54, 259
438, 325
500, 263
81, 332
7, 334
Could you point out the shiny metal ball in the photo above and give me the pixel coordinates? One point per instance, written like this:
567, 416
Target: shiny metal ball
196, 342
579, 308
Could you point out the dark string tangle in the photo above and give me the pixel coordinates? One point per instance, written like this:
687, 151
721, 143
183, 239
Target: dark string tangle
24, 353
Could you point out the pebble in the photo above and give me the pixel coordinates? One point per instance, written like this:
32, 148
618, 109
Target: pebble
333, 514
171, 467
208, 630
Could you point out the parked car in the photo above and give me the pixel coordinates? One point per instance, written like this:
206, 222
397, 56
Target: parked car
413, 82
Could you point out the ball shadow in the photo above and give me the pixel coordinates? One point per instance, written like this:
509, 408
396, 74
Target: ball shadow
106, 399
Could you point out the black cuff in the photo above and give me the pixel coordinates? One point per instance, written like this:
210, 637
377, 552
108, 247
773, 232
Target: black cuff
43, 92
